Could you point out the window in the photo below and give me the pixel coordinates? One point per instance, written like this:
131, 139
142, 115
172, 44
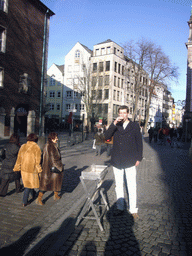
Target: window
94, 81
106, 94
107, 66
76, 106
115, 81
77, 54
1, 76
81, 106
100, 66
99, 97
102, 51
115, 50
69, 94
117, 95
58, 94
108, 50
105, 108
100, 81
97, 52
114, 95
123, 70
106, 80
2, 39
52, 94
4, 5
51, 106
94, 67
75, 94
115, 69
52, 80
58, 106
68, 106
119, 68
118, 82
122, 81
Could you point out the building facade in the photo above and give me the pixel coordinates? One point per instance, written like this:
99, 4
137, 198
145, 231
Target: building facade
77, 83
97, 82
24, 29
54, 97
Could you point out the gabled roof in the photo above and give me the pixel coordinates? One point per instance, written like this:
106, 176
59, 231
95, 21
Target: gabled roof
61, 68
87, 49
107, 41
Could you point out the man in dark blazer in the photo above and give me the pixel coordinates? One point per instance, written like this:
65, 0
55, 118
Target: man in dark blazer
126, 155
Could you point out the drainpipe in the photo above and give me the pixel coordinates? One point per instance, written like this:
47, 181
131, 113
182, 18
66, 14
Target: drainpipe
43, 74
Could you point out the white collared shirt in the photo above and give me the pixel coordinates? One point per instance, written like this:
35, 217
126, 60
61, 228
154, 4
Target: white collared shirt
125, 124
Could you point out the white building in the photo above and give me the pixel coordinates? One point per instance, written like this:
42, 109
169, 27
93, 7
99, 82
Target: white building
77, 73
156, 107
54, 95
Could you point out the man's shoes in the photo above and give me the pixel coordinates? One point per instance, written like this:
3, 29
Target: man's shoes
118, 212
135, 216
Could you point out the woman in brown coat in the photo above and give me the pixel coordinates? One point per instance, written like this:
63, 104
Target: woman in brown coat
28, 162
51, 158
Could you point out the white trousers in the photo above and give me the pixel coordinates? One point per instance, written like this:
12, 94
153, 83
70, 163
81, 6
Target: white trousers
130, 174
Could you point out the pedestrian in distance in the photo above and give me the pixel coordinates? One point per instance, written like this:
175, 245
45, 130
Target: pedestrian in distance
109, 144
7, 174
52, 169
125, 157
99, 141
151, 134
28, 163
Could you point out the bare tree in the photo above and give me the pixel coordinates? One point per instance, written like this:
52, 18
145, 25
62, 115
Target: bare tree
160, 71
148, 58
87, 85
137, 54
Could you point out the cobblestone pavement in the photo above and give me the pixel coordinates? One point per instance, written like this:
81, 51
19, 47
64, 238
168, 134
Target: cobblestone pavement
164, 200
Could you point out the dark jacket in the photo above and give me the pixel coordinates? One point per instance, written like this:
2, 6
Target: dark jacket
99, 138
9, 161
127, 144
51, 158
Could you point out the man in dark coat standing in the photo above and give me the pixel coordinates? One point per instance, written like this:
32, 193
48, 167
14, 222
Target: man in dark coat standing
126, 155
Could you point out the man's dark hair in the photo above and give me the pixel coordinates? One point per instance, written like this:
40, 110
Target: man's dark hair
32, 137
123, 107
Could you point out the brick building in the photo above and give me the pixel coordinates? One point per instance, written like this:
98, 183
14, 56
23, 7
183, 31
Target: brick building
24, 30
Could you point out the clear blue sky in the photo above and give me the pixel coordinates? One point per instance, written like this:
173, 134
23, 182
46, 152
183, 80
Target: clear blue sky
93, 21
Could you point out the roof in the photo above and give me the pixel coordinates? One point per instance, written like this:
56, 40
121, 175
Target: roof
43, 8
87, 49
61, 68
107, 41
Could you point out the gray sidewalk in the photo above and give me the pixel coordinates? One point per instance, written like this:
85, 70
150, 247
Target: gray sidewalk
164, 200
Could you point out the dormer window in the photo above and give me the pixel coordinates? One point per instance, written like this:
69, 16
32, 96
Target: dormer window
77, 54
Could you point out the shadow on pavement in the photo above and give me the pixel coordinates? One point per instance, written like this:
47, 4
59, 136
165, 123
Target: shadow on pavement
90, 248
71, 178
49, 245
18, 248
177, 177
122, 240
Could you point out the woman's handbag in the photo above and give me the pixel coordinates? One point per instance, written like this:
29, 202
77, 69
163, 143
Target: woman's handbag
55, 170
